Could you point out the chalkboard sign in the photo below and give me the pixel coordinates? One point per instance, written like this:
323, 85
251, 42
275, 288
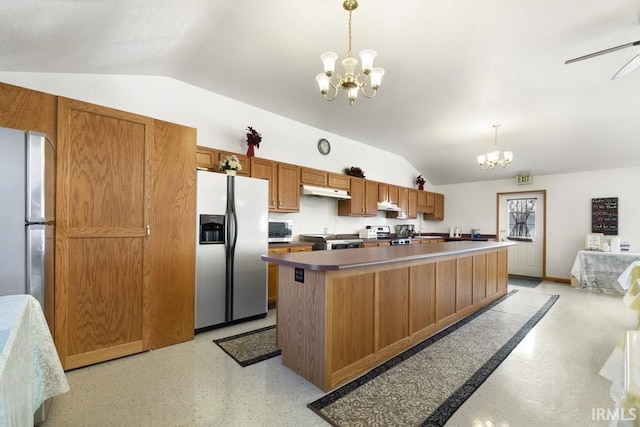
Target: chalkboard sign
604, 216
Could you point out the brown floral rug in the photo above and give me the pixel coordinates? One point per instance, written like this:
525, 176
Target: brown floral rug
426, 384
251, 347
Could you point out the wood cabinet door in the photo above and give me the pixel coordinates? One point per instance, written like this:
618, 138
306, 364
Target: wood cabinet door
338, 181
438, 212
266, 169
412, 213
422, 201
288, 188
313, 177
172, 238
371, 198
403, 201
354, 206
103, 188
393, 194
431, 202
383, 192
207, 158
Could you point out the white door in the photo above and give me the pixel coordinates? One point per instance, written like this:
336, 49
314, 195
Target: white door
521, 220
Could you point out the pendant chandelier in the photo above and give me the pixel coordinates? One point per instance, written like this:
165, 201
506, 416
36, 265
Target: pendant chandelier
352, 82
493, 159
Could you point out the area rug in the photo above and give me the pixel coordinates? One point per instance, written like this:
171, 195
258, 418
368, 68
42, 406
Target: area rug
529, 282
251, 347
426, 384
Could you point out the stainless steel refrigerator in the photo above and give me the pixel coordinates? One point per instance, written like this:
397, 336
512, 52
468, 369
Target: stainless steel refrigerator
27, 183
232, 231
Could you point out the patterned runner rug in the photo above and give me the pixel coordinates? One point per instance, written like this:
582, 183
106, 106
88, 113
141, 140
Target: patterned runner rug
251, 347
426, 384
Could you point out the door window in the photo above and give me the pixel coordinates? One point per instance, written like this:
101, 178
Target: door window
522, 219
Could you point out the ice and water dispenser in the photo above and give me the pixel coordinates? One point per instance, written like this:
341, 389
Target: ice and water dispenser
211, 229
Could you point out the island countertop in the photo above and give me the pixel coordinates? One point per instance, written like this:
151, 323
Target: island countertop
363, 257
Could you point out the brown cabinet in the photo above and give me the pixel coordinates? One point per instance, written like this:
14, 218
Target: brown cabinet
437, 214
284, 183
126, 203
341, 182
272, 293
267, 169
320, 178
376, 244
313, 177
208, 158
412, 212
364, 199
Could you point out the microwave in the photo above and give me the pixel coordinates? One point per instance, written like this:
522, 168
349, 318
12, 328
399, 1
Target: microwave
280, 230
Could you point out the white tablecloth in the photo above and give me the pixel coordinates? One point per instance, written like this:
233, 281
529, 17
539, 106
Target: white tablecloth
600, 271
30, 371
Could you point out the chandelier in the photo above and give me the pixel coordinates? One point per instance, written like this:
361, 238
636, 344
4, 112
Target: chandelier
493, 159
351, 81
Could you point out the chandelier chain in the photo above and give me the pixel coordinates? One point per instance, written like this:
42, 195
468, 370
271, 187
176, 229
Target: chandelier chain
349, 50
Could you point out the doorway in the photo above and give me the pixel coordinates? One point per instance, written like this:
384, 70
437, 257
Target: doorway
522, 219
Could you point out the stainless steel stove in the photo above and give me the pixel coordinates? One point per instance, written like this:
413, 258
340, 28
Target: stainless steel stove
384, 232
327, 242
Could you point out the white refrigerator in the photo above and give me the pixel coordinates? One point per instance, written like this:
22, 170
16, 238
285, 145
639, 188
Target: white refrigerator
27, 183
232, 227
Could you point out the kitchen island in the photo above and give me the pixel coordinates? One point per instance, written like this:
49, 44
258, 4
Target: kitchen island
343, 312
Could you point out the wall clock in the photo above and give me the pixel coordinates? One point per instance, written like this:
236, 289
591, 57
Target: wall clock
324, 147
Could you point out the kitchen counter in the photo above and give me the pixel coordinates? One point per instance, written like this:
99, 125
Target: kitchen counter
366, 257
343, 312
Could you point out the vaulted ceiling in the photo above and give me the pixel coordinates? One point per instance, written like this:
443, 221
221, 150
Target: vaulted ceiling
453, 68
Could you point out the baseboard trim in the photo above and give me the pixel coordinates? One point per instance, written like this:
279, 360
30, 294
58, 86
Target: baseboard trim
558, 280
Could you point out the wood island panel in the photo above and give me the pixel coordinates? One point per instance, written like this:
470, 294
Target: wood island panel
445, 289
464, 283
349, 312
492, 273
479, 277
393, 306
422, 296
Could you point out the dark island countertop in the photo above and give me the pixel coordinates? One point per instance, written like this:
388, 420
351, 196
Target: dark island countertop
363, 257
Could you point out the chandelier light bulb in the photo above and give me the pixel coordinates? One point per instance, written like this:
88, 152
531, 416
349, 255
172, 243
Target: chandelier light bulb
367, 56
323, 83
329, 62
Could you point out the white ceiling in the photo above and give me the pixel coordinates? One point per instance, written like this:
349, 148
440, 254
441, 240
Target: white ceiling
453, 68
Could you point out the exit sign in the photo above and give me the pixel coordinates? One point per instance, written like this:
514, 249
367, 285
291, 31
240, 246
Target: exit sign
524, 179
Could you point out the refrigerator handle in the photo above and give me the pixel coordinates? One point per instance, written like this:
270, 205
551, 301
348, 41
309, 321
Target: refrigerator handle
231, 236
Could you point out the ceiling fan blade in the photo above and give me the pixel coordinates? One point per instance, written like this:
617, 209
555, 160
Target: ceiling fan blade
602, 52
629, 67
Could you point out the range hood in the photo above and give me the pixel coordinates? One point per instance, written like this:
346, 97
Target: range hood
388, 206
308, 190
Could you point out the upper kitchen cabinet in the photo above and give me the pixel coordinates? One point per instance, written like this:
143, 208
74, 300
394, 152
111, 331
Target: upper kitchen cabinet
438, 208
364, 199
320, 178
27, 109
267, 169
125, 246
412, 213
208, 158
284, 183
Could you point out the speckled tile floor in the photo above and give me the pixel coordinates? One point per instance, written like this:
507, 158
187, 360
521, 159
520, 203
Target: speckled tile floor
550, 379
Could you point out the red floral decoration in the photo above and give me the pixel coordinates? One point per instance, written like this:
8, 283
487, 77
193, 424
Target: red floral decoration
253, 140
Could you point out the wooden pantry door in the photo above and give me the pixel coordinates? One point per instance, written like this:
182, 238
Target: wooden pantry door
103, 194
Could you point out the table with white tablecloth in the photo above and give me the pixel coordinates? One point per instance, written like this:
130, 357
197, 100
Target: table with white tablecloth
599, 271
30, 370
